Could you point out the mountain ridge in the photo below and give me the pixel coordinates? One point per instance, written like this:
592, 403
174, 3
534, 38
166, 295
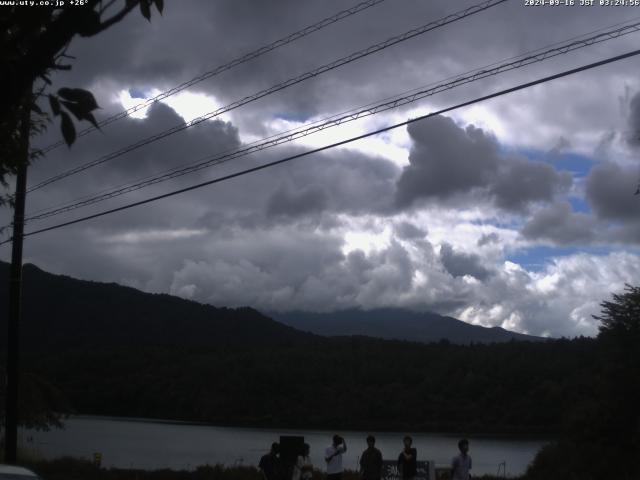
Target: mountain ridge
91, 314
397, 324
125, 316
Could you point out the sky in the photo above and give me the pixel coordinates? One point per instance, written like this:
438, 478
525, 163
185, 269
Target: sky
516, 212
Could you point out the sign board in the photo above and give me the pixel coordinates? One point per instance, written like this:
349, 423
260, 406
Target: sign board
290, 447
390, 470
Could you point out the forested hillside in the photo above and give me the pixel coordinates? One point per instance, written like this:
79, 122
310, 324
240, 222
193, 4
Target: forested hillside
65, 313
352, 383
113, 350
397, 324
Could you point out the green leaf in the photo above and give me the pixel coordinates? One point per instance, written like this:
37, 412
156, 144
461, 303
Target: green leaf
89, 24
92, 119
75, 108
145, 9
81, 114
68, 129
159, 5
55, 105
78, 95
131, 3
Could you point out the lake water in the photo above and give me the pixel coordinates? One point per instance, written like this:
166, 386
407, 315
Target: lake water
150, 445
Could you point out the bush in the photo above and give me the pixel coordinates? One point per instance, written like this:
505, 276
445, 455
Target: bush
566, 460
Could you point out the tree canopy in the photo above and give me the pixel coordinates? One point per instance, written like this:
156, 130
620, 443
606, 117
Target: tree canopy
605, 423
33, 45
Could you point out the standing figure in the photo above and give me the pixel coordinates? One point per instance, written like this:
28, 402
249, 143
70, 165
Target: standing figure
461, 463
303, 469
333, 458
270, 463
371, 461
408, 460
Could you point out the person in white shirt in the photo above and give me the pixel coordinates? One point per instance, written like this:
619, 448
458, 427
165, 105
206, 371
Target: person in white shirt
303, 469
333, 458
461, 464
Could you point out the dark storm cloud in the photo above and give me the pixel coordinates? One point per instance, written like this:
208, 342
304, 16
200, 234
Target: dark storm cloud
310, 191
186, 147
206, 139
447, 160
610, 187
633, 136
311, 199
521, 182
340, 181
459, 264
164, 53
559, 224
610, 191
409, 231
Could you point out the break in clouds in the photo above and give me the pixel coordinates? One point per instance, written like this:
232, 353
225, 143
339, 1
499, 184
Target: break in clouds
517, 212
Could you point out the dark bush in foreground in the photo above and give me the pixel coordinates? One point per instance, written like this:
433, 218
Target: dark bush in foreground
581, 461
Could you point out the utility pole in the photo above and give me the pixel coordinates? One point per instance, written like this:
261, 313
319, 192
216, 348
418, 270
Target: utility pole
15, 289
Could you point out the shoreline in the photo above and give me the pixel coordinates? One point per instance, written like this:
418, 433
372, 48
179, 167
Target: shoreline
520, 435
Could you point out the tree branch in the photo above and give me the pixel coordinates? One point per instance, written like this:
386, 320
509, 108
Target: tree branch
113, 20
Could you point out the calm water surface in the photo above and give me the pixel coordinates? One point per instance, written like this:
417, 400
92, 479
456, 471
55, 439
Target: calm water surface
153, 444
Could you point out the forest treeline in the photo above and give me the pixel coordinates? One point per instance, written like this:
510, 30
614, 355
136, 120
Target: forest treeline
356, 383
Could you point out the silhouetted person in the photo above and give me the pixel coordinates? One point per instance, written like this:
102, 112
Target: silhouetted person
303, 469
371, 461
270, 463
407, 460
333, 458
461, 464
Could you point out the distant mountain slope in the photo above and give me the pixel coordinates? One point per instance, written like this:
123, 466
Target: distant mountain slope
397, 324
63, 312
113, 350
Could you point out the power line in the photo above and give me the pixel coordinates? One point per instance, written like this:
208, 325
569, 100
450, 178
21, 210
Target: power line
625, 27
521, 86
280, 86
583, 37
227, 66
369, 110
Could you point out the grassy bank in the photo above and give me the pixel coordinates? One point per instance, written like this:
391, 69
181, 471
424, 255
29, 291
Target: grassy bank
75, 469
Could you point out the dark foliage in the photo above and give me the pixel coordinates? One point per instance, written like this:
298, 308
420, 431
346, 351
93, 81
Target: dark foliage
42, 403
602, 438
62, 313
353, 383
33, 45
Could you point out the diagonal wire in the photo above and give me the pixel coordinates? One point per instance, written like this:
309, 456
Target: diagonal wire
227, 66
286, 137
197, 186
280, 86
623, 27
